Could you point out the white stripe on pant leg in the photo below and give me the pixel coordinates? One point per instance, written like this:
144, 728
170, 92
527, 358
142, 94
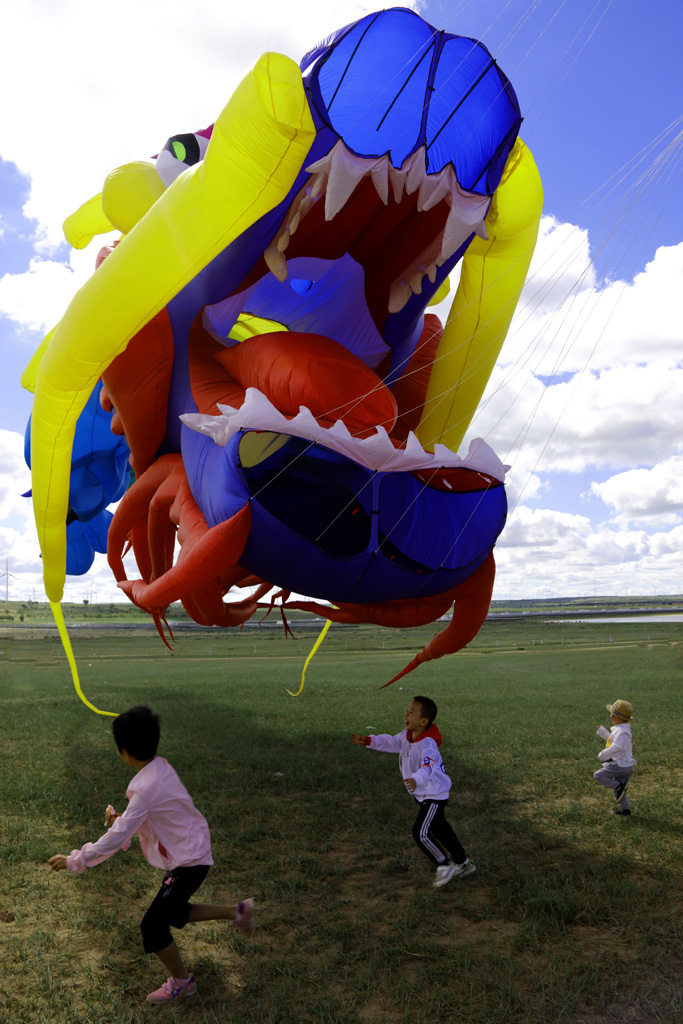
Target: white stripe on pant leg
424, 834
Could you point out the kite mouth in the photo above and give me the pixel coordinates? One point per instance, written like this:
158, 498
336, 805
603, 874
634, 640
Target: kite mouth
400, 224
361, 227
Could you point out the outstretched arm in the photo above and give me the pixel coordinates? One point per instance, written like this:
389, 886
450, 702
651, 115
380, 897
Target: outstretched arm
383, 742
117, 838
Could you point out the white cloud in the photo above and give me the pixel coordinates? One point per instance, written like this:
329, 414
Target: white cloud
560, 267
556, 533
38, 298
648, 495
565, 324
614, 358
548, 551
19, 549
102, 85
15, 479
617, 408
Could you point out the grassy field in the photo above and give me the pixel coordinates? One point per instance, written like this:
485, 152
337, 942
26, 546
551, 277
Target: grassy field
574, 915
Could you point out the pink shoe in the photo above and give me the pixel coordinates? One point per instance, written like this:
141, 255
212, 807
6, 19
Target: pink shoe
173, 989
245, 916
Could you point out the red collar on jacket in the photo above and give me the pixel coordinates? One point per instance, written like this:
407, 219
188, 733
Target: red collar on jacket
431, 731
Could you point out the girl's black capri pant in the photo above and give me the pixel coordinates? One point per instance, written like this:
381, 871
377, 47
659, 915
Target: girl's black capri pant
170, 907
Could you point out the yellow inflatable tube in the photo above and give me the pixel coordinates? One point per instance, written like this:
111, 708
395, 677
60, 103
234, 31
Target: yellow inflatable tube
493, 275
88, 220
257, 148
128, 193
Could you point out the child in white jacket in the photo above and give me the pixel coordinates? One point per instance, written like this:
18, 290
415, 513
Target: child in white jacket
617, 758
425, 777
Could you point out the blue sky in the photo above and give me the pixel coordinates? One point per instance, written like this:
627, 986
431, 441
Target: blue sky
585, 402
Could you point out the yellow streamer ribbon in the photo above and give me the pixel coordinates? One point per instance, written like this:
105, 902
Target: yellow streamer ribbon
61, 626
316, 645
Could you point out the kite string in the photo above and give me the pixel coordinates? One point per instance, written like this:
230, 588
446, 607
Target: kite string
62, 626
560, 355
361, 398
635, 189
645, 179
590, 355
406, 64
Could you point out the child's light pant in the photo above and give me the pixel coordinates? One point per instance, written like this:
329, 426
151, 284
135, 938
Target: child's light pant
613, 777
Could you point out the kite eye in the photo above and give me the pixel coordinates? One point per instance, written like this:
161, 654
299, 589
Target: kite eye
178, 149
179, 153
184, 148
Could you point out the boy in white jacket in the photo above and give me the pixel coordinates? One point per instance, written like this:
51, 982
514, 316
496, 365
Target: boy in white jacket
617, 758
425, 777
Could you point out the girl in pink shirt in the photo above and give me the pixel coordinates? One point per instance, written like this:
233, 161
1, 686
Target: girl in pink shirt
173, 835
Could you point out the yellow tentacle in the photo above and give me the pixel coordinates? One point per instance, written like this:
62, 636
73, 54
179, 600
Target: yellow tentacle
129, 193
61, 626
81, 226
492, 278
30, 375
316, 645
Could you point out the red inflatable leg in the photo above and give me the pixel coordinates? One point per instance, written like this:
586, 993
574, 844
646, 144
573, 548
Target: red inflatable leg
469, 614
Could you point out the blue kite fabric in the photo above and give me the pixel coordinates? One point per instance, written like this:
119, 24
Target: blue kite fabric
100, 476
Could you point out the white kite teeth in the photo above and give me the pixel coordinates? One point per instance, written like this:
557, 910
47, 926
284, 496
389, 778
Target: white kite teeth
336, 177
376, 452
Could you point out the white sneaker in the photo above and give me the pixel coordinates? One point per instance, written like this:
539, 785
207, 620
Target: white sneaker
445, 872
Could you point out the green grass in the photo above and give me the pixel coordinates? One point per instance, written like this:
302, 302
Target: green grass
573, 915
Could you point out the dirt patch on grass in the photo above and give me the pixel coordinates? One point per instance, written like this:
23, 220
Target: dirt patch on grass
591, 942
377, 1012
463, 930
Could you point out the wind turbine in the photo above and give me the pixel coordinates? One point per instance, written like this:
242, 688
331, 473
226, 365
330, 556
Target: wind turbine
7, 575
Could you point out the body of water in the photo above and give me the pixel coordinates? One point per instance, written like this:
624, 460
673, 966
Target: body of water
673, 617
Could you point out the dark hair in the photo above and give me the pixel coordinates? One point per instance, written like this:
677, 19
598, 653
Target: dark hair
137, 732
428, 707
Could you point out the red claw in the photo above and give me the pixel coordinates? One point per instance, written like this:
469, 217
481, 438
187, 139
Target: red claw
154, 512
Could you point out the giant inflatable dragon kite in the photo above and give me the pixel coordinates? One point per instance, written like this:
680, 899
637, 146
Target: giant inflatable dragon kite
257, 342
